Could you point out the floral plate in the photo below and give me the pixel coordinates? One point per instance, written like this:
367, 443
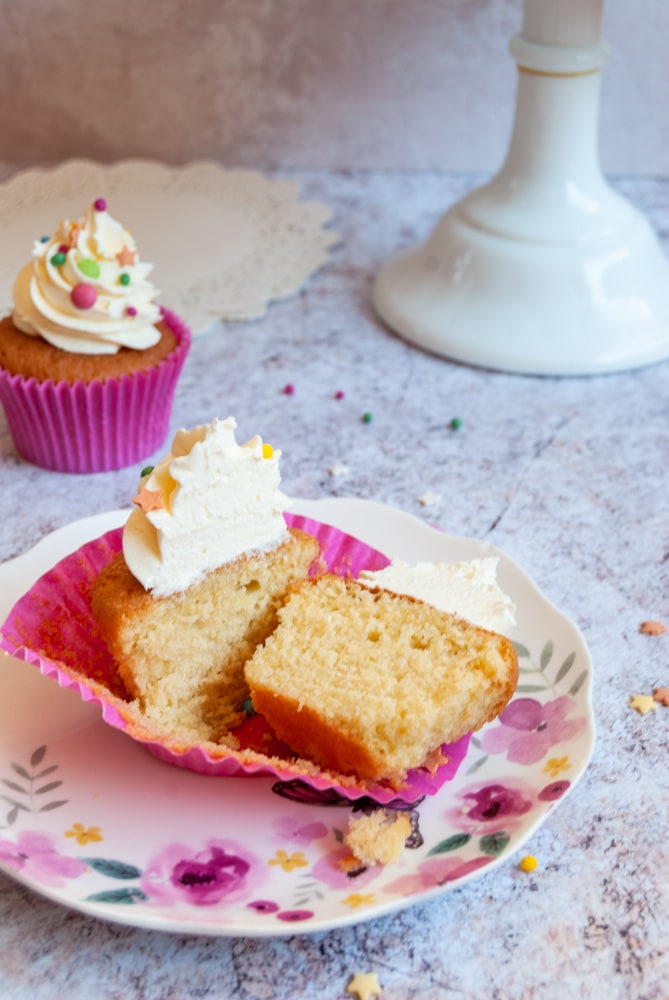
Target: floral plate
91, 820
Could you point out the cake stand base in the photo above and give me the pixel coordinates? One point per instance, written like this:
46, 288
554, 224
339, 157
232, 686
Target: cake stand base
545, 270
573, 307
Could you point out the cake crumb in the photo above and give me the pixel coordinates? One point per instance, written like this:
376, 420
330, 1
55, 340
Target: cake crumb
643, 703
364, 985
661, 696
339, 469
378, 838
429, 499
653, 628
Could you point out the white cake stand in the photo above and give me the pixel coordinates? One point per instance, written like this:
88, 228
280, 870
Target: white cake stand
545, 270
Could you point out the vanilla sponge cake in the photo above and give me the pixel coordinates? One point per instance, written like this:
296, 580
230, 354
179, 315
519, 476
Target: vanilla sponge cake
369, 682
182, 656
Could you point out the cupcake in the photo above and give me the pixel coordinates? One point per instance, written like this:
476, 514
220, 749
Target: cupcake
88, 360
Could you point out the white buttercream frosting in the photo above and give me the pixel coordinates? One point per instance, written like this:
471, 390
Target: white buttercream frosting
466, 589
115, 308
209, 501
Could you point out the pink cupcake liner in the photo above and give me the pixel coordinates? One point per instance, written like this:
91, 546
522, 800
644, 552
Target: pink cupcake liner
95, 426
52, 627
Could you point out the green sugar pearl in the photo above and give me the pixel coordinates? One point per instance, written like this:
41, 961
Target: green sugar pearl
89, 267
367, 418
455, 424
58, 259
124, 279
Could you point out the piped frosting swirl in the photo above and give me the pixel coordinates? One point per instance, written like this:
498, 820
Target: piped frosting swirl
85, 290
209, 501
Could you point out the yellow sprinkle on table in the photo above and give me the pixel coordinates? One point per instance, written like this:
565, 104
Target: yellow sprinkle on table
528, 863
643, 703
267, 450
365, 985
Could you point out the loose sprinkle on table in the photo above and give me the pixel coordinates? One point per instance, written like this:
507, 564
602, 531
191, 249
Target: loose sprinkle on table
661, 696
367, 418
339, 394
289, 389
429, 499
528, 863
653, 628
455, 424
643, 703
365, 985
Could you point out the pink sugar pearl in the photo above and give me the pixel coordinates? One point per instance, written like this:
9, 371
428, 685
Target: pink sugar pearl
83, 296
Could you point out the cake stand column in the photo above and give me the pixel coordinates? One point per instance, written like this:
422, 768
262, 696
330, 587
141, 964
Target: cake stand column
545, 270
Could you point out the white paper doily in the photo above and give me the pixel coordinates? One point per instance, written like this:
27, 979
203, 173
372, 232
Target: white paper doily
224, 243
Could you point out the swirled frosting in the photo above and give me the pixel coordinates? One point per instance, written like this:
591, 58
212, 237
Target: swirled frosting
85, 290
206, 503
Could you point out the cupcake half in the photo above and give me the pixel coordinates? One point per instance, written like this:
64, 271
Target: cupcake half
88, 360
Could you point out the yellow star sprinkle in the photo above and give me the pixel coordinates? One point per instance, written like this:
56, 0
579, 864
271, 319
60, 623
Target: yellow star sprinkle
643, 703
365, 985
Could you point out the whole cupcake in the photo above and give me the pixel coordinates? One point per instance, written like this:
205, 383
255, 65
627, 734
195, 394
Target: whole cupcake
88, 360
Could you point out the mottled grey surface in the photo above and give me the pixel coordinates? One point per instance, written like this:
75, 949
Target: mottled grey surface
569, 477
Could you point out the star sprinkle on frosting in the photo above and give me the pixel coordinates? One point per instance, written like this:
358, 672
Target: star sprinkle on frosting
126, 256
148, 500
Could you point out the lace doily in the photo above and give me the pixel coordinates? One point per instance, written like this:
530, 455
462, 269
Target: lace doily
224, 243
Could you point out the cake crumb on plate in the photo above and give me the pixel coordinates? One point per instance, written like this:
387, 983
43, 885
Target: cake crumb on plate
378, 837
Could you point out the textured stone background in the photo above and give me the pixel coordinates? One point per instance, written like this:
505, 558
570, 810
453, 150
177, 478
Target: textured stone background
295, 83
568, 476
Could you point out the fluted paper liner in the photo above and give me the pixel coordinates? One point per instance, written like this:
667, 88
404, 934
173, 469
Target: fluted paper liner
95, 426
52, 626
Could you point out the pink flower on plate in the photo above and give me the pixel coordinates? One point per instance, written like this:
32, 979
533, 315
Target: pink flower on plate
527, 730
290, 828
490, 807
35, 856
222, 872
338, 870
435, 872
